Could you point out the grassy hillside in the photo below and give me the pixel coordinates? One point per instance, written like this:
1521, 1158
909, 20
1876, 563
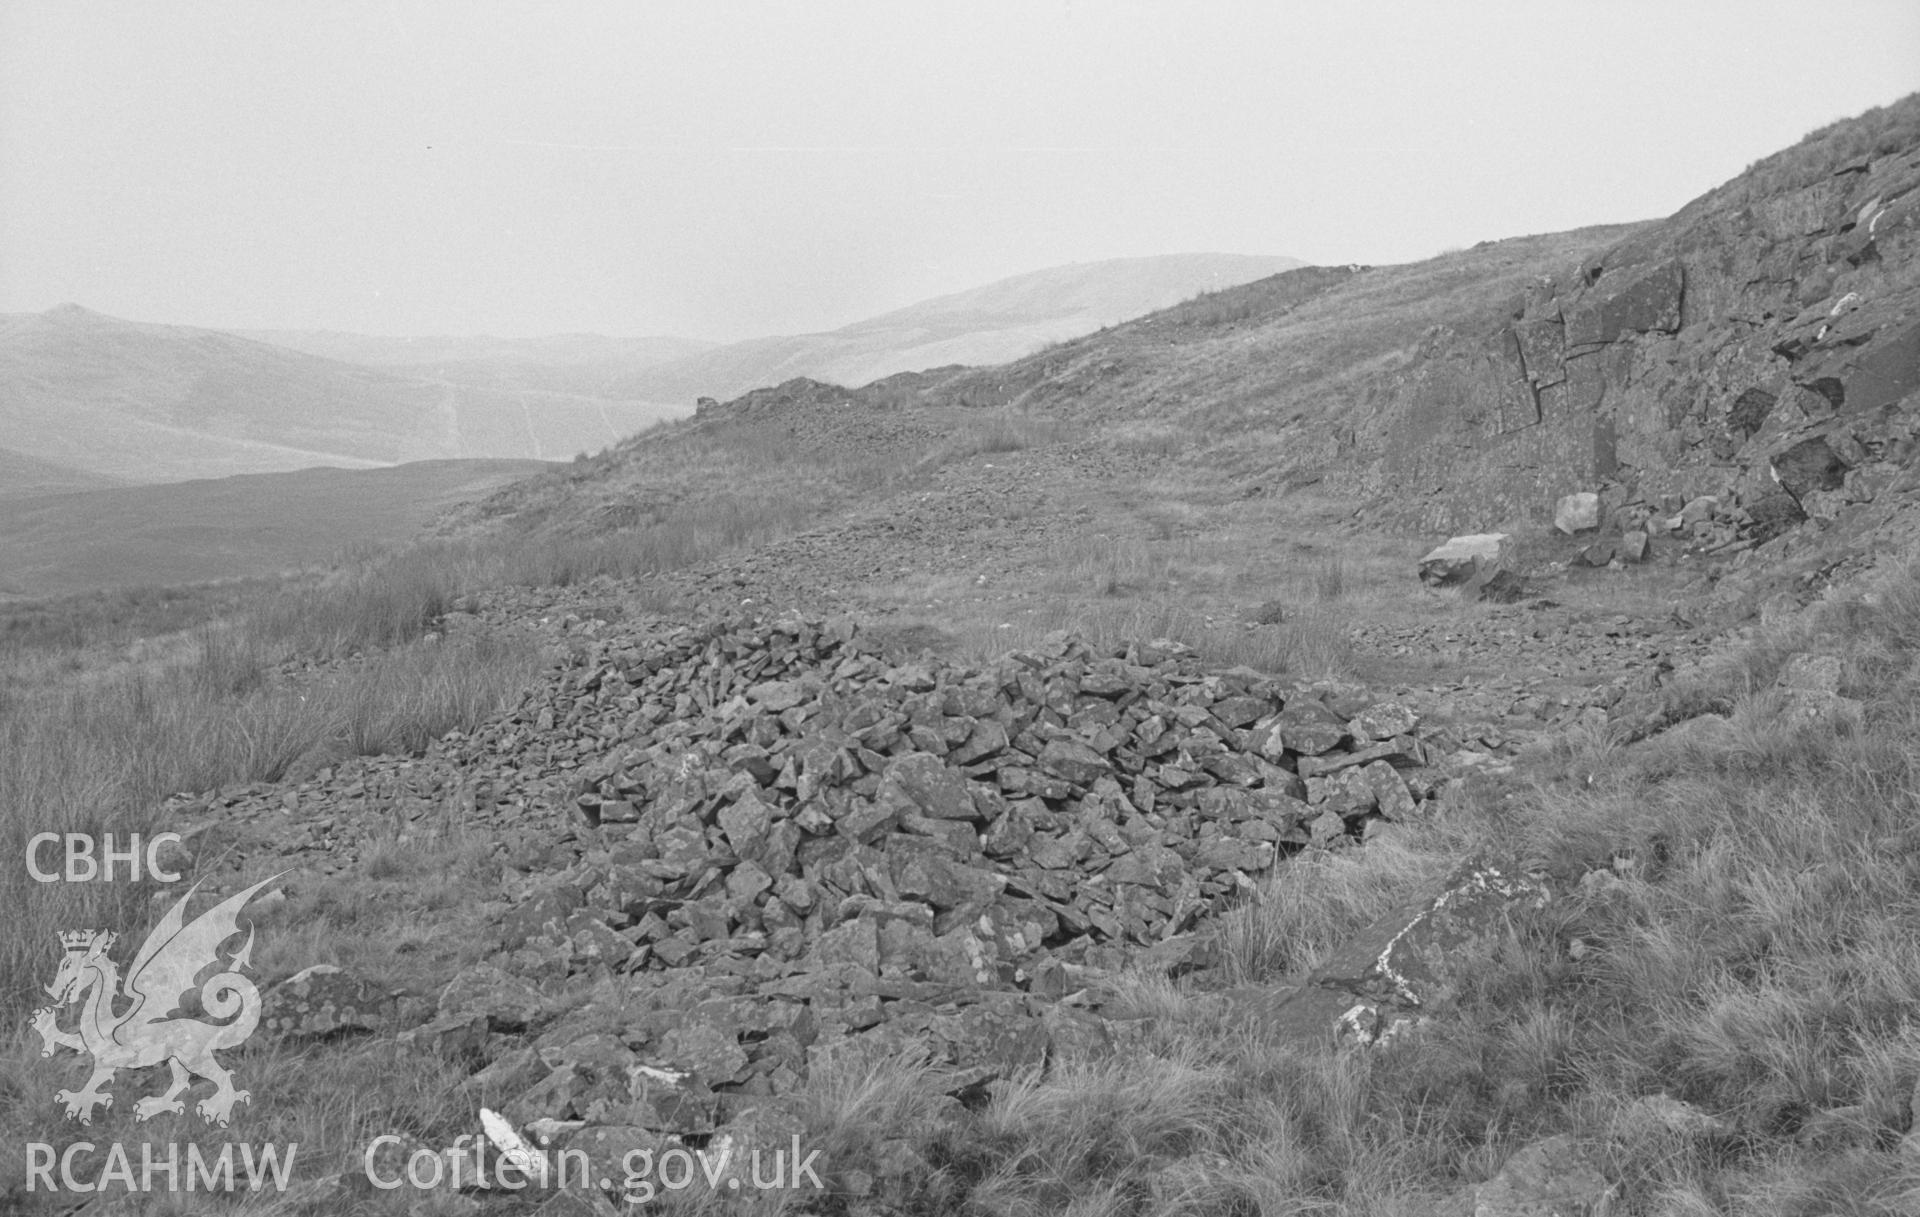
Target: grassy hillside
984, 325
1247, 387
239, 527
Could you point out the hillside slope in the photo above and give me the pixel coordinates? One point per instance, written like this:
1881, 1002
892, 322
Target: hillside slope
227, 528
1264, 362
1761, 349
557, 363
25, 475
984, 325
149, 403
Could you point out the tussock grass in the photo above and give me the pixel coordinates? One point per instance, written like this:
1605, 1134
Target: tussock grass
986, 432
68, 623
1309, 907
102, 757
1878, 132
870, 1108
376, 603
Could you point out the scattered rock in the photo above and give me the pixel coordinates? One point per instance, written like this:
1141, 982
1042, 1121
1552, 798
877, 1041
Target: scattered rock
1811, 673
1577, 513
1461, 558
324, 1001
1808, 466
1672, 1115
1556, 1177
1403, 960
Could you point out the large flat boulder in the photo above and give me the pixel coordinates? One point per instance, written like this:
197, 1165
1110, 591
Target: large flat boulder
1460, 559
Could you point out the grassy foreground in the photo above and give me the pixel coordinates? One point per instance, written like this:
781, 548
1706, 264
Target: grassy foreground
1735, 928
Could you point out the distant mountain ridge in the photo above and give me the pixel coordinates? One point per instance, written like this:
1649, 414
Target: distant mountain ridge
140, 402
582, 364
377, 350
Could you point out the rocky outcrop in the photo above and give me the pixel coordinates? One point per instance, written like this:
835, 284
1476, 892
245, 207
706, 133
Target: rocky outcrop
1762, 347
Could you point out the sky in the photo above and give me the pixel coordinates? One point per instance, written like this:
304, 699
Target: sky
723, 170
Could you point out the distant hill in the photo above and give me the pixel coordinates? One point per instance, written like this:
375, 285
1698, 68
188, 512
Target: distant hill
137, 402
21, 474
563, 363
984, 325
254, 524
150, 403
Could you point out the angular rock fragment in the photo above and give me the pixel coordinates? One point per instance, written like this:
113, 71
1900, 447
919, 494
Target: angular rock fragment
1463, 557
1577, 512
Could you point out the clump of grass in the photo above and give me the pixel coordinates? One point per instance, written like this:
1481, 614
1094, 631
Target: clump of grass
987, 432
1329, 579
1109, 567
380, 602
1880, 131
418, 694
1309, 906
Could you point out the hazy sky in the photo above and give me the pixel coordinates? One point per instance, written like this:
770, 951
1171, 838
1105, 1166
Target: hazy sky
726, 169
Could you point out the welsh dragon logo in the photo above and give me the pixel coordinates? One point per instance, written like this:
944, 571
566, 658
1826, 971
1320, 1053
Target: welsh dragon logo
147, 1031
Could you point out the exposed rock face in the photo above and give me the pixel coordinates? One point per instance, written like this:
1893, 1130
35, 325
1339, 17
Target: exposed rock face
1762, 347
1637, 300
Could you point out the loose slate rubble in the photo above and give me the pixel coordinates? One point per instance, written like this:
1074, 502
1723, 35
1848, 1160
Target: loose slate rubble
789, 847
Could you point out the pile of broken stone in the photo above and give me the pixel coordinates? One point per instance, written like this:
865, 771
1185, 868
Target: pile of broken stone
787, 846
